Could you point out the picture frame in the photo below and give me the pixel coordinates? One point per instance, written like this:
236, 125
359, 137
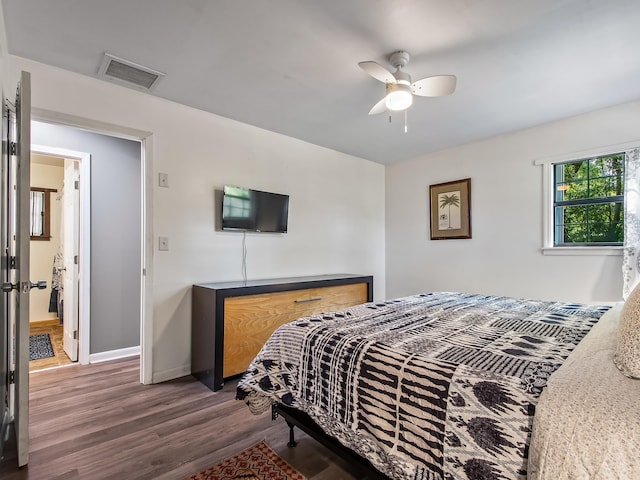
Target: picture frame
450, 210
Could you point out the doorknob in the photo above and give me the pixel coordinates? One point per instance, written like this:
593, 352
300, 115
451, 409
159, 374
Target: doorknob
40, 285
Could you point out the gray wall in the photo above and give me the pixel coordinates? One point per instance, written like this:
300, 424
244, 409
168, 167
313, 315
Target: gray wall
116, 229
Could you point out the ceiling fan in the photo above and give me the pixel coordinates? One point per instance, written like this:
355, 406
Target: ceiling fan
400, 90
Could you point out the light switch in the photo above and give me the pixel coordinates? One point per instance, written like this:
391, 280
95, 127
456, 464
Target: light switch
163, 243
163, 180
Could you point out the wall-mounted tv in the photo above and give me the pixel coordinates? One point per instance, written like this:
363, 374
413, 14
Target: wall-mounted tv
254, 211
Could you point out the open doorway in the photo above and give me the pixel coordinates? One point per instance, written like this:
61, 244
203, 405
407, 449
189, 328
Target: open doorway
109, 255
60, 255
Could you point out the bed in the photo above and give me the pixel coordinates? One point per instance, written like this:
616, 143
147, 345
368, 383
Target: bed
441, 385
587, 421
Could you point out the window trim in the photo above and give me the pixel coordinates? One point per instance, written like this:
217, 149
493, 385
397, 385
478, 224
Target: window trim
547, 163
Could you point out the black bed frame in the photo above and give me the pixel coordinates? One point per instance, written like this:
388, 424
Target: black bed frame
297, 418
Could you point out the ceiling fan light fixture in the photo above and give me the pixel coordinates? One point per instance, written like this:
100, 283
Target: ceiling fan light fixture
400, 89
399, 97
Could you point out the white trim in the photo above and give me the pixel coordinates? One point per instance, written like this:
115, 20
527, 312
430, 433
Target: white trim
547, 206
585, 251
146, 299
84, 288
68, 365
114, 354
547, 202
49, 116
592, 152
60, 152
146, 302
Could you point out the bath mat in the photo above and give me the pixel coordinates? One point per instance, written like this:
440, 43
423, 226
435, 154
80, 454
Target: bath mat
40, 346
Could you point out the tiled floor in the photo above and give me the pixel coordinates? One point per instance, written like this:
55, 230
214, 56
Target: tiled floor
54, 329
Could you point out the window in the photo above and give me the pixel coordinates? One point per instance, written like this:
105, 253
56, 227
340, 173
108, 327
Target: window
40, 213
588, 201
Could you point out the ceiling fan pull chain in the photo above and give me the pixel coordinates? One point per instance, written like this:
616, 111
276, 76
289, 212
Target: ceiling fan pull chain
405, 120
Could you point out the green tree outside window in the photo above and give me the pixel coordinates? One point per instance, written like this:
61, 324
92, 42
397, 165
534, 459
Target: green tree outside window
588, 201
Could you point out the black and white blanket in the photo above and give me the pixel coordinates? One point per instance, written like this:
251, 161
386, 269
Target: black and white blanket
433, 386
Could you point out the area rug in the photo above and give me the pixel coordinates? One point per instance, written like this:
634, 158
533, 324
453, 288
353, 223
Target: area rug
40, 346
259, 462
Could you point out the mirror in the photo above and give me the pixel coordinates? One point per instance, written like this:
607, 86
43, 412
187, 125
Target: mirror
41, 213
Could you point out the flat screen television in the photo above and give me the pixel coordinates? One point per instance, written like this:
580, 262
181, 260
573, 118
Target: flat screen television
254, 211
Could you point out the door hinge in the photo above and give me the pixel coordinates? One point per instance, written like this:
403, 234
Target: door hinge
75, 334
13, 148
12, 377
75, 259
76, 184
12, 262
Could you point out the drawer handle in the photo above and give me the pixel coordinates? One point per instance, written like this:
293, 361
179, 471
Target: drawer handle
310, 299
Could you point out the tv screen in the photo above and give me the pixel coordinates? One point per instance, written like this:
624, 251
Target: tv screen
253, 210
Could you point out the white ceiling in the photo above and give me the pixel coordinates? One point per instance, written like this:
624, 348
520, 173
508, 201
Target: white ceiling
290, 66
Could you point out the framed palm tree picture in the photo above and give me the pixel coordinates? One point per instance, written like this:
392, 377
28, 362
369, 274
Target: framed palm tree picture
450, 210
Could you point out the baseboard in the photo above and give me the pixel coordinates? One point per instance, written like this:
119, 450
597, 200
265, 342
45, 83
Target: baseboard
114, 354
166, 375
157, 377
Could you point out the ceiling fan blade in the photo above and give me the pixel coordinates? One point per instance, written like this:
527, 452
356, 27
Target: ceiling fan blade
379, 107
436, 86
378, 72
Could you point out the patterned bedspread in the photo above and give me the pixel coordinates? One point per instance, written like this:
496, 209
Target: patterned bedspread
433, 386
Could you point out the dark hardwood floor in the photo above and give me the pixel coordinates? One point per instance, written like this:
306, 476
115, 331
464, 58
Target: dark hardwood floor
98, 422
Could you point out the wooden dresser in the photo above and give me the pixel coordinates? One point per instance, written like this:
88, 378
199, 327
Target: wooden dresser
232, 320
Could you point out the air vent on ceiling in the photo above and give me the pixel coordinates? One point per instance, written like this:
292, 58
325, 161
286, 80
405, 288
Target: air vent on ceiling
129, 73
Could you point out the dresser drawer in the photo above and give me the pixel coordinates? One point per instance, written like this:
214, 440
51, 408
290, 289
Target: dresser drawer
250, 320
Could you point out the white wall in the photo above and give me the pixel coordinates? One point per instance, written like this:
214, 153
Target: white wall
336, 217
504, 256
42, 251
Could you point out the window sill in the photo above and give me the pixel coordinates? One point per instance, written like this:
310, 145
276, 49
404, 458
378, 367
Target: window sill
604, 251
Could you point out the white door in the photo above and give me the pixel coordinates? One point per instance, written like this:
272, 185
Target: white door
70, 241
14, 246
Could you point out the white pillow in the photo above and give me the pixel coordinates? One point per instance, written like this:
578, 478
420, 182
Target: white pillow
627, 356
